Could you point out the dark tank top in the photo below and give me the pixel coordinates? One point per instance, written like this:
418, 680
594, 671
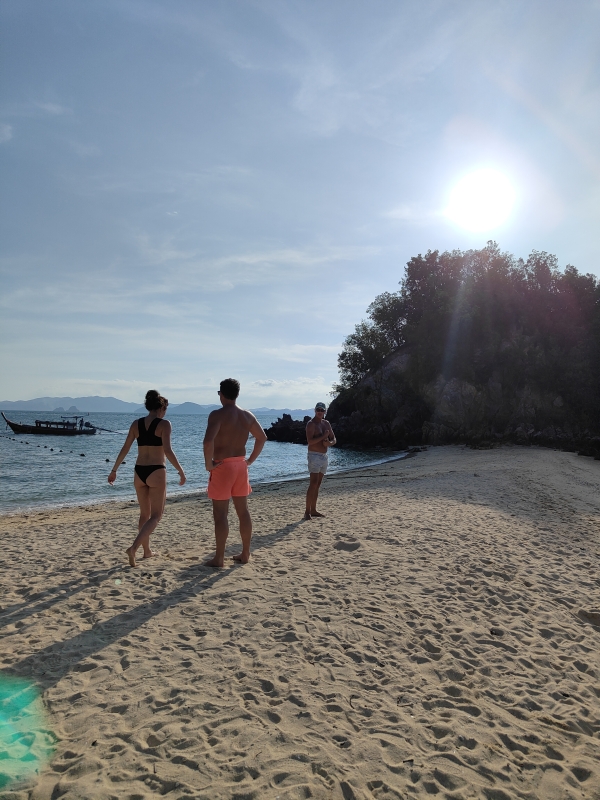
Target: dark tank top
148, 438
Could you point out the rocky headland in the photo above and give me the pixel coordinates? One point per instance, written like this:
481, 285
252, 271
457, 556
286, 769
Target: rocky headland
385, 410
478, 348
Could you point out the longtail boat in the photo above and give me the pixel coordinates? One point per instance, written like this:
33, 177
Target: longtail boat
74, 426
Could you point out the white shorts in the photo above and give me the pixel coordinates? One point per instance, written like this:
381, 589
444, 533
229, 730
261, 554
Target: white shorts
317, 462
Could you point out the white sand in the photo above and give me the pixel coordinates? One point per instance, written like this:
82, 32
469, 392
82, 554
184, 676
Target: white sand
438, 633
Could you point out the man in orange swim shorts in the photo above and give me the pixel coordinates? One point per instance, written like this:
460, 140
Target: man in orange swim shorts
225, 458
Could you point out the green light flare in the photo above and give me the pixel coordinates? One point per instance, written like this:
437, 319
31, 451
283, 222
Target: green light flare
26, 743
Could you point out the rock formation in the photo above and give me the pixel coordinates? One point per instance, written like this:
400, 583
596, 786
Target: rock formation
384, 409
287, 429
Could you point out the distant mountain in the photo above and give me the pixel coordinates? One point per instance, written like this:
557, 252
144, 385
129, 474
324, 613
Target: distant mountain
182, 408
77, 405
82, 403
191, 408
297, 413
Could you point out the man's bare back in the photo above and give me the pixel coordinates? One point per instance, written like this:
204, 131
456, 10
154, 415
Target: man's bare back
229, 429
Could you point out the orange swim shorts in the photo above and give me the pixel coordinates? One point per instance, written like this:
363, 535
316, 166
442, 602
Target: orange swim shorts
229, 479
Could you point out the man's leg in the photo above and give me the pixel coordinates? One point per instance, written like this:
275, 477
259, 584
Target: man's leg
313, 509
220, 512
241, 507
312, 495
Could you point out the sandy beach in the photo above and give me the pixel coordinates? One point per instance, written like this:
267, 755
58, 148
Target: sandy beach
437, 633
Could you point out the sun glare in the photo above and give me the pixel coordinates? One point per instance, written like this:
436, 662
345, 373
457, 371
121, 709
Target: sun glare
481, 200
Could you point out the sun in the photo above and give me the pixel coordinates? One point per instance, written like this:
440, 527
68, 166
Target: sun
481, 201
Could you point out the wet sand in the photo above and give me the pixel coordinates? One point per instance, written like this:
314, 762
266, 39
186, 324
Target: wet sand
437, 633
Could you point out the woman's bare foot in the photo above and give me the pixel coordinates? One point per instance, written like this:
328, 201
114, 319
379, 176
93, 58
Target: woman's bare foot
316, 514
151, 553
131, 555
215, 562
307, 515
242, 558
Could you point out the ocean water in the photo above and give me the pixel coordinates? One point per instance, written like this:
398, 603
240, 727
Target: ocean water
49, 471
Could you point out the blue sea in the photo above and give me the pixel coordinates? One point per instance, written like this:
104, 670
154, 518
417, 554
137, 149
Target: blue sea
53, 471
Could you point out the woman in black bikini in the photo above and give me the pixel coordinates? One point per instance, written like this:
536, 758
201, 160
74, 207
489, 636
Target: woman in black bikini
153, 434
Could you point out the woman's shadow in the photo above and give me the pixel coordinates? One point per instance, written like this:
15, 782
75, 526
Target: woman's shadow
49, 665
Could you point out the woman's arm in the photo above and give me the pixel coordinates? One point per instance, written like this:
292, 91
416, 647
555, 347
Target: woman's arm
131, 437
165, 434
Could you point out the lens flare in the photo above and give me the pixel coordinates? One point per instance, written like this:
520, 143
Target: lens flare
26, 743
481, 201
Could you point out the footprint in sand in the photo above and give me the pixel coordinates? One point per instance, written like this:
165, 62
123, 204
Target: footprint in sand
591, 615
349, 547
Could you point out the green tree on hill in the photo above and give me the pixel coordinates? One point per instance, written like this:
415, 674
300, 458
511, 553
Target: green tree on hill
479, 315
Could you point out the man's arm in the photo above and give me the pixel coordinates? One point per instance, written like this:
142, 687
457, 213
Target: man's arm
331, 440
212, 428
260, 437
312, 438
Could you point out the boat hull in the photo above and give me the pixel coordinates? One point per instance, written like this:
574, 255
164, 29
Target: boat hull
45, 429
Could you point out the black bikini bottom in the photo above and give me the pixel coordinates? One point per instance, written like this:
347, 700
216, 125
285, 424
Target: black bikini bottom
142, 472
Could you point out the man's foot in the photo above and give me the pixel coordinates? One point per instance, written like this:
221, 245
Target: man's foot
131, 556
307, 516
151, 554
242, 558
215, 562
316, 514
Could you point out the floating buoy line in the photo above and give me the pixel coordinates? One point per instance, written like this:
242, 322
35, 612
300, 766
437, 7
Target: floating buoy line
44, 446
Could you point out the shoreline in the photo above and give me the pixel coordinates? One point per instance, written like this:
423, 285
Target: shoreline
191, 493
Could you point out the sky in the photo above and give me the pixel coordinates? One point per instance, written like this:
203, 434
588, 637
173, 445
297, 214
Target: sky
195, 190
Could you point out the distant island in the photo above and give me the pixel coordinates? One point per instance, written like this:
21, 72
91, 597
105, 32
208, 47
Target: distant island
97, 404
82, 404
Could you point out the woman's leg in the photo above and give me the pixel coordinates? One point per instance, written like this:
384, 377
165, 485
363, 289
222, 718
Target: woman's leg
152, 505
143, 497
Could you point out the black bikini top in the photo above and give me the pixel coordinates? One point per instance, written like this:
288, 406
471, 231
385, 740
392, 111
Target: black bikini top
148, 438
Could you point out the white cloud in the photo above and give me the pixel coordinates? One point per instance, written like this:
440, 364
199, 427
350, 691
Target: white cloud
303, 353
53, 108
187, 268
414, 214
6, 132
301, 392
292, 383
85, 150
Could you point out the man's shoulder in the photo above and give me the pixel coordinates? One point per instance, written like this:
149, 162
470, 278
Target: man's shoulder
234, 412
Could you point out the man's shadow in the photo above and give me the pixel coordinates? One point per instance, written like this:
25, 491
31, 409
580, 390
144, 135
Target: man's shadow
49, 665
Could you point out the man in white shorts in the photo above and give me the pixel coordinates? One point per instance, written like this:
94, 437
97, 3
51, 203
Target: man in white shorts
320, 436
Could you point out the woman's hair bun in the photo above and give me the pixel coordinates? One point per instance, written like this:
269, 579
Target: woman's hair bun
155, 401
